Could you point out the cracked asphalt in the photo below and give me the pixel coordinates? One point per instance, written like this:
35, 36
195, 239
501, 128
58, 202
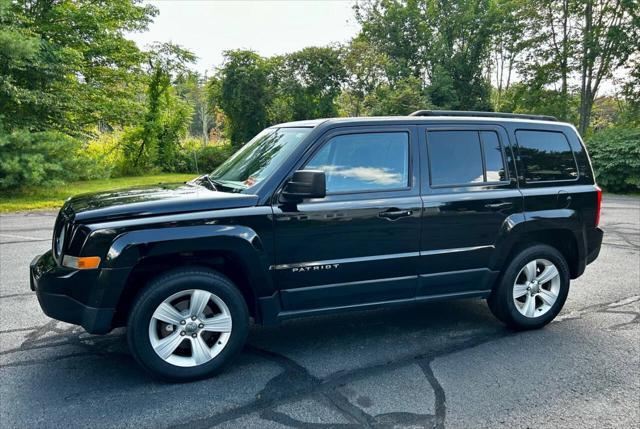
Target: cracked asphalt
430, 365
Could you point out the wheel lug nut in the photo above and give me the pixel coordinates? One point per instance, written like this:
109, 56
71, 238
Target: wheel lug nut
201, 326
194, 335
183, 333
193, 317
182, 322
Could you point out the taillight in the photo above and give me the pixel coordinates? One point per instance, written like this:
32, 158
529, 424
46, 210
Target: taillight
598, 204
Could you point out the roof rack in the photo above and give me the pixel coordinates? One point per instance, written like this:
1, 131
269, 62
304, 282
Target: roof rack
481, 114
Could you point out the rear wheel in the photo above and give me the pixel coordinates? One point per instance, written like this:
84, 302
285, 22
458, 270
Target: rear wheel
187, 324
533, 288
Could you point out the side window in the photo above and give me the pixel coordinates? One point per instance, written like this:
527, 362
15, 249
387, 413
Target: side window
493, 160
364, 162
546, 156
465, 157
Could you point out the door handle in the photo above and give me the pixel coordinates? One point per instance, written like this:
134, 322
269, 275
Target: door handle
393, 214
499, 205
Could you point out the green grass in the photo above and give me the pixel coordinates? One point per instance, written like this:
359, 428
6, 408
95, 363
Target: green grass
47, 197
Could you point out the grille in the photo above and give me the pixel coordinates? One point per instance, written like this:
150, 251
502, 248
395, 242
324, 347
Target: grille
59, 236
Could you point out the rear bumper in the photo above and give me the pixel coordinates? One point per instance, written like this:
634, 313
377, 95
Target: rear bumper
594, 243
54, 286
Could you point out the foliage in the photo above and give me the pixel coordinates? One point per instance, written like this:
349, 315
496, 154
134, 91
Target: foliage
67, 64
52, 196
444, 44
192, 87
609, 36
404, 97
309, 81
243, 94
631, 90
365, 70
106, 154
80, 100
41, 158
615, 153
527, 98
155, 142
583, 41
193, 157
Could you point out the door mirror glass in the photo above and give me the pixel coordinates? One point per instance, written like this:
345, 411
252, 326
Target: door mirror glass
305, 184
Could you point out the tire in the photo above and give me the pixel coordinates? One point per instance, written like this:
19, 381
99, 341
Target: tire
161, 322
521, 308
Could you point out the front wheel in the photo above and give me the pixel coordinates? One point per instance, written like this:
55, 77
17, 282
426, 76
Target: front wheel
533, 288
187, 324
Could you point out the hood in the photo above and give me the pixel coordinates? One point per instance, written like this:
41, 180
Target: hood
151, 201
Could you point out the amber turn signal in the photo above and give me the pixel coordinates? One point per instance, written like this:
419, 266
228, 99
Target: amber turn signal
81, 262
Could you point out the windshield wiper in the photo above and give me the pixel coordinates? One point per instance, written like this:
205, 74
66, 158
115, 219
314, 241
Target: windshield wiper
204, 178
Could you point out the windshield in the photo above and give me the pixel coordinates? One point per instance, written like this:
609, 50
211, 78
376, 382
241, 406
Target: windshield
259, 158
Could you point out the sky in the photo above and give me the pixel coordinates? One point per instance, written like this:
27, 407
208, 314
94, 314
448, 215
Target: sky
270, 27
208, 28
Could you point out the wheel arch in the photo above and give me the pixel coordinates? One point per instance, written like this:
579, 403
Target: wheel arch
564, 240
235, 252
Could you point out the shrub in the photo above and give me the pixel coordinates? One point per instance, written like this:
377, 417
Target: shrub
30, 159
615, 154
104, 154
193, 157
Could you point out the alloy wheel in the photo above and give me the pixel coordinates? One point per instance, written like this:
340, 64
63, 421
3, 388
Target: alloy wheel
536, 288
190, 328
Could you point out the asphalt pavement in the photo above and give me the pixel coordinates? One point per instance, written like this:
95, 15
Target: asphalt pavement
429, 365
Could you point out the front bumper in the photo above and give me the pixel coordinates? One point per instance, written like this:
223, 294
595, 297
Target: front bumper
64, 294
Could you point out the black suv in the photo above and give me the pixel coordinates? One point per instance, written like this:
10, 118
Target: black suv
320, 216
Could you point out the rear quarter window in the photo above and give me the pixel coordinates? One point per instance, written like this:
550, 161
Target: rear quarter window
546, 155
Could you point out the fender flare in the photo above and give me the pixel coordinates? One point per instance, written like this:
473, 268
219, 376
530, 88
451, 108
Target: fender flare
516, 226
133, 247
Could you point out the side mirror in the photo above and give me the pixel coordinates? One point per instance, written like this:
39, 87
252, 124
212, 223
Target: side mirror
305, 184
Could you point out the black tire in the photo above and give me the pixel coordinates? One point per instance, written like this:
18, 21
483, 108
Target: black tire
161, 288
501, 301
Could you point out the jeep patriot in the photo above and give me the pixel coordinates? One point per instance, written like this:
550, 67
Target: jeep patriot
328, 215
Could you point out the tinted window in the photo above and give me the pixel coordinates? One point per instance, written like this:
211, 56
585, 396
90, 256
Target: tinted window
494, 162
454, 157
363, 162
546, 156
260, 157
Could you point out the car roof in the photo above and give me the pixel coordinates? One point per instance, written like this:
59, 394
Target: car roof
414, 120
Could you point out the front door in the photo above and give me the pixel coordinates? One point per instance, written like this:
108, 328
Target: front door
359, 245
470, 200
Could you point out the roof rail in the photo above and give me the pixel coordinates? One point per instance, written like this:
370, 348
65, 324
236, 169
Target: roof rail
470, 113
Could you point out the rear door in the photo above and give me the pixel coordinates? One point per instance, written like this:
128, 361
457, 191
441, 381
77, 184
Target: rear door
470, 192
358, 245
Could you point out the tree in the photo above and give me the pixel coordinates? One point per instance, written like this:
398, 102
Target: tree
67, 65
581, 41
193, 88
166, 117
463, 39
365, 70
550, 33
309, 82
404, 31
631, 91
507, 46
610, 33
243, 94
442, 42
401, 98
